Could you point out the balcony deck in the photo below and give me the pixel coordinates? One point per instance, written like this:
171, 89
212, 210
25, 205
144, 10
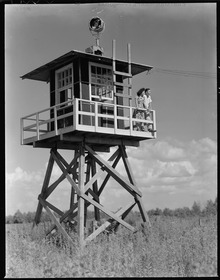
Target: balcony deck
100, 124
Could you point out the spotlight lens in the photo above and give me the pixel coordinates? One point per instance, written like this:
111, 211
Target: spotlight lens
96, 24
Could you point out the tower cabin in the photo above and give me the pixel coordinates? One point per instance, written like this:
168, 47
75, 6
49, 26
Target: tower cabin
90, 100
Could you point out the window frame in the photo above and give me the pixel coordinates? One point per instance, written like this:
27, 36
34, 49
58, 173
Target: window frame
65, 87
102, 66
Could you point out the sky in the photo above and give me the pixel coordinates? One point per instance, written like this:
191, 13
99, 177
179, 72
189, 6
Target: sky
174, 170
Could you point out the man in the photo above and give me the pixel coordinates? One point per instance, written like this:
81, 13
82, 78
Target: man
148, 106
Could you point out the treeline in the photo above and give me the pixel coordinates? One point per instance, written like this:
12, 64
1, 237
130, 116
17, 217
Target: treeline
210, 208
196, 210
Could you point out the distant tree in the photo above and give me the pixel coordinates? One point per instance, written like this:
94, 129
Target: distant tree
158, 212
18, 217
30, 217
216, 204
187, 211
179, 212
168, 212
9, 219
150, 212
196, 209
155, 212
210, 208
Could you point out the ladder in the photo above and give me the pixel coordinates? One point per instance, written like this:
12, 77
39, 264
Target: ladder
122, 75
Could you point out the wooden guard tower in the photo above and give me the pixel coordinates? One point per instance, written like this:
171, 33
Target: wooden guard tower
90, 111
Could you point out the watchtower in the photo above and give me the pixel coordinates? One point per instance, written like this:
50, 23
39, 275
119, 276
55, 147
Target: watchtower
90, 112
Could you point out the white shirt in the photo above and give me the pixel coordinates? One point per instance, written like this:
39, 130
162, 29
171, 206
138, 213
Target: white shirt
147, 101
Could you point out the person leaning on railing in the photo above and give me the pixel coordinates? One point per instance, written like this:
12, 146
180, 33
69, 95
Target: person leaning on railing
139, 111
148, 107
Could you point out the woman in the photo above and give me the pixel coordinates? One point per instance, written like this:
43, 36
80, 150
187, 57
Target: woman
140, 111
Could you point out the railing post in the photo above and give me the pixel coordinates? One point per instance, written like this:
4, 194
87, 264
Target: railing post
22, 130
74, 113
55, 120
115, 118
37, 126
76, 119
96, 116
154, 123
130, 120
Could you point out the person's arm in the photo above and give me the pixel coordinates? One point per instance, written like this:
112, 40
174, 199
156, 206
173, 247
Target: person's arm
150, 104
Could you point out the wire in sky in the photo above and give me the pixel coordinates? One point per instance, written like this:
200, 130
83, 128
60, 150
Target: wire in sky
197, 74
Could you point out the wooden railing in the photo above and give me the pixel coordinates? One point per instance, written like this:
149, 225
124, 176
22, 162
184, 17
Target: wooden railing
83, 115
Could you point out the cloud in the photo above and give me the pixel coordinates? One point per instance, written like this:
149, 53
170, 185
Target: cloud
175, 167
20, 175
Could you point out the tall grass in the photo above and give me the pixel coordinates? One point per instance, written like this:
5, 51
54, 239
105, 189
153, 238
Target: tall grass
173, 248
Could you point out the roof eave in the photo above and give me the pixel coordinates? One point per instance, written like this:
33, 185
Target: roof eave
42, 73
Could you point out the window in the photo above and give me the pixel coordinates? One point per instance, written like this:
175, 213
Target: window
101, 83
64, 84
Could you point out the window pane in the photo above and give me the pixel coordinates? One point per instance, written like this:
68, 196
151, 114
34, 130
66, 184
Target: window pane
99, 72
69, 93
93, 69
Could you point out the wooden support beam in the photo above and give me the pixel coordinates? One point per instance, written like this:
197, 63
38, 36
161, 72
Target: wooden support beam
127, 165
142, 210
81, 191
64, 216
95, 190
122, 212
66, 173
99, 173
52, 187
108, 140
94, 195
51, 206
129, 187
108, 175
72, 196
132, 180
44, 188
56, 221
106, 211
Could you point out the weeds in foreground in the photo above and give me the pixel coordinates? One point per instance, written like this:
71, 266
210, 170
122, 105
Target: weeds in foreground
174, 248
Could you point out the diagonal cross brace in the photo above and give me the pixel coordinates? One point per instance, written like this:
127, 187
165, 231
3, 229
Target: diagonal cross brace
108, 212
121, 213
128, 186
66, 173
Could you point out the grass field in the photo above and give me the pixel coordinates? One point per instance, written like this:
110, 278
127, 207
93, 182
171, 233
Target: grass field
175, 247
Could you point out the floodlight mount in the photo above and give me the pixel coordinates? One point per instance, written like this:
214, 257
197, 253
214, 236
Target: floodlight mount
96, 27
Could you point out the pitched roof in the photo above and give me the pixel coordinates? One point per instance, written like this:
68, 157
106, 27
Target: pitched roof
42, 73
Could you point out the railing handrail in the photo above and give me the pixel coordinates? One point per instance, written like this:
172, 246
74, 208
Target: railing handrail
49, 108
84, 100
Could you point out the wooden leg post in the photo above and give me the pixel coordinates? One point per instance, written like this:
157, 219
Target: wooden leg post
43, 191
95, 190
81, 200
138, 199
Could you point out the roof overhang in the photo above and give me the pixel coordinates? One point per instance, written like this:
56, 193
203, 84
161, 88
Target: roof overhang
43, 72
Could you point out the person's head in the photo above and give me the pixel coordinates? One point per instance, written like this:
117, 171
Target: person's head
147, 91
140, 92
